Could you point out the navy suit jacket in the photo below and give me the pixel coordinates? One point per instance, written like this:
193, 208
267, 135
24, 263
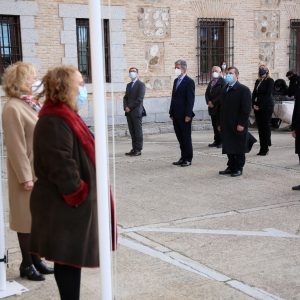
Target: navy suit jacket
183, 99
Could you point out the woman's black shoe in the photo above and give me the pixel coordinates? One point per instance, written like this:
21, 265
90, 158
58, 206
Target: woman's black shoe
31, 273
43, 268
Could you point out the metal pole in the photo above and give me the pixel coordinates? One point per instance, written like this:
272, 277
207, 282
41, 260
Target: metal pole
101, 147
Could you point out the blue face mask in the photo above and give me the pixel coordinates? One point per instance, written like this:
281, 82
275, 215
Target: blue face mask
262, 72
229, 79
81, 97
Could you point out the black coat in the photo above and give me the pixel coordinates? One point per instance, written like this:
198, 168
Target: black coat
296, 121
235, 107
294, 85
183, 99
262, 95
134, 98
60, 232
214, 94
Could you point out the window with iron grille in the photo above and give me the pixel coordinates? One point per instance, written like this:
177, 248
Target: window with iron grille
294, 54
215, 45
84, 51
10, 41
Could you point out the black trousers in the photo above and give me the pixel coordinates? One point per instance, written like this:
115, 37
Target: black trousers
183, 131
68, 281
217, 135
136, 131
236, 162
263, 122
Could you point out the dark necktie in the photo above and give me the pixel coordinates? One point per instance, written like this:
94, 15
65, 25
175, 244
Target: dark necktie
178, 82
229, 88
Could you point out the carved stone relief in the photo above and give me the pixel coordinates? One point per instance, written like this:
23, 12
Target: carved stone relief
267, 24
157, 83
270, 3
154, 21
154, 57
267, 54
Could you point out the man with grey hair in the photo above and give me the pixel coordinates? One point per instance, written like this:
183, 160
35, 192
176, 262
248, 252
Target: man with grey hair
181, 112
212, 96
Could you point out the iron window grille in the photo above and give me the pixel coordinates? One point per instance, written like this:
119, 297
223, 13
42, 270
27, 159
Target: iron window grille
84, 50
294, 48
10, 41
215, 45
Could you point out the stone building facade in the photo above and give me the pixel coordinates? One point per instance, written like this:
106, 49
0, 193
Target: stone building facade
152, 34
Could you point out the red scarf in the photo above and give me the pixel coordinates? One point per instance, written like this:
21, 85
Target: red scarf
75, 123
85, 138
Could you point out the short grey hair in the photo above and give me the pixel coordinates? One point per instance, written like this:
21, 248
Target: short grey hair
216, 68
182, 63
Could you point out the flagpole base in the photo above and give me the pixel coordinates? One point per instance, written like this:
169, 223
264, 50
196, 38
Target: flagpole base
12, 288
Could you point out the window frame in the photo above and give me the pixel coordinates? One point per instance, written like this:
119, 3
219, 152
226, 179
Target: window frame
213, 51
294, 47
13, 44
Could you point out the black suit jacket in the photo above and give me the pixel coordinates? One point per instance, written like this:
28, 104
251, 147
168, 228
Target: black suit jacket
183, 99
213, 94
134, 97
262, 95
235, 109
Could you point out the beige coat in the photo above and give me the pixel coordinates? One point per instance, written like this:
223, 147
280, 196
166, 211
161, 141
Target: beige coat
18, 122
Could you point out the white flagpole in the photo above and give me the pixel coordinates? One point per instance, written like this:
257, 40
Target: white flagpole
99, 102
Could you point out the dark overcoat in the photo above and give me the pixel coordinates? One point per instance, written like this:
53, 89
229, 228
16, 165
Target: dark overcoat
235, 107
183, 99
213, 94
62, 232
296, 121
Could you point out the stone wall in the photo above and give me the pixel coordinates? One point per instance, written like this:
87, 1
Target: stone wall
151, 35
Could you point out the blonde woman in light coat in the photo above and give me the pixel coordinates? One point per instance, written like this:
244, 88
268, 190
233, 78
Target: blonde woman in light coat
19, 116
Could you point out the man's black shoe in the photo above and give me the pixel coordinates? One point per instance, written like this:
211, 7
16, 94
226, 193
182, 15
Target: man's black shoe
227, 171
219, 146
185, 164
236, 173
130, 152
136, 153
214, 144
177, 163
296, 188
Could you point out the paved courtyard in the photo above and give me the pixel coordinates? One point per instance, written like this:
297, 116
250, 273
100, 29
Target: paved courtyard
189, 233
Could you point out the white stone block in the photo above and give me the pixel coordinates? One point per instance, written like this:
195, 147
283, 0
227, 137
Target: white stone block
117, 38
113, 12
29, 36
71, 51
69, 24
117, 77
73, 10
68, 37
21, 8
118, 63
28, 50
27, 22
117, 51
69, 61
116, 25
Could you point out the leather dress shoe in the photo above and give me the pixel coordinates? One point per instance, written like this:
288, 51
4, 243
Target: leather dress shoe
263, 153
236, 173
43, 268
177, 163
185, 163
296, 188
130, 152
214, 144
31, 273
227, 171
136, 153
219, 146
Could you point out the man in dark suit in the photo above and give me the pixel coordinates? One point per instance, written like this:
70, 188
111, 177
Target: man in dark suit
133, 107
235, 107
181, 112
212, 97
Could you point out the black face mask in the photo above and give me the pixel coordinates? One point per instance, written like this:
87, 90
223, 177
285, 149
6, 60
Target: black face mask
262, 72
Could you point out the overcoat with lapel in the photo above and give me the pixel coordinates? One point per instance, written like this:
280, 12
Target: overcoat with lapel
183, 99
134, 97
18, 122
213, 94
235, 107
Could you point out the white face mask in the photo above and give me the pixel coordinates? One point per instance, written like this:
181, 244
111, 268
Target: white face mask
37, 87
215, 75
177, 72
223, 67
132, 75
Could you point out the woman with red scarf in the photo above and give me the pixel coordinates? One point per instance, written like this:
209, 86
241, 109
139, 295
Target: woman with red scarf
63, 201
19, 117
